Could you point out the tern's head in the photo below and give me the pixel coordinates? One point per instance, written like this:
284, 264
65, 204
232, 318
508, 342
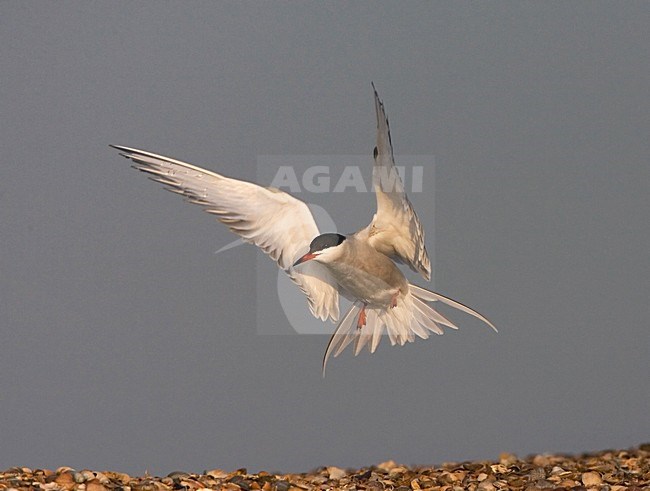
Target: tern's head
324, 246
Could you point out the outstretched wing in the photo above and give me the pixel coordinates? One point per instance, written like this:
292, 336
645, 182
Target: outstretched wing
279, 224
395, 229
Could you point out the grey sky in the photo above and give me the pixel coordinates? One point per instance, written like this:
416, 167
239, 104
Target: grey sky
128, 345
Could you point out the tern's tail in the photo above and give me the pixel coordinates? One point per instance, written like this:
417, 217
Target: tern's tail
411, 317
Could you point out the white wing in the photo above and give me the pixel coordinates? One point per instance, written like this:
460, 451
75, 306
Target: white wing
395, 229
279, 224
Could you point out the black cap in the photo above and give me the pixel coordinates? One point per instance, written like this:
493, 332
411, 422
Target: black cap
325, 241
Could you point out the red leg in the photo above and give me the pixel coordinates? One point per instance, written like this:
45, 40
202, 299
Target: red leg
361, 320
393, 300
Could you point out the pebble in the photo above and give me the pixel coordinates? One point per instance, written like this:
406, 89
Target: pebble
65, 480
374, 486
217, 473
336, 473
387, 466
281, 486
486, 486
537, 473
507, 458
499, 468
95, 485
590, 479
103, 478
242, 482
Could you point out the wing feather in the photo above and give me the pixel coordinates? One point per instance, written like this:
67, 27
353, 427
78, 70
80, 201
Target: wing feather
395, 229
279, 224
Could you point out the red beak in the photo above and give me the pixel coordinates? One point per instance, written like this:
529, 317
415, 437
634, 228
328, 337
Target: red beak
304, 258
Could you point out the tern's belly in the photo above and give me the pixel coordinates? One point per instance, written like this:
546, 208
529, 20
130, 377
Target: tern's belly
376, 288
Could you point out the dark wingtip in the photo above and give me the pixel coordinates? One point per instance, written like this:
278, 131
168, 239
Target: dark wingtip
120, 149
375, 91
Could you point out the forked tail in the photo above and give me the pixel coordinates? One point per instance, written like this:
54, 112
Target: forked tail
412, 316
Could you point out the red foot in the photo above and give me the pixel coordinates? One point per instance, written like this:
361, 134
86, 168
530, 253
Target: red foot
393, 300
361, 321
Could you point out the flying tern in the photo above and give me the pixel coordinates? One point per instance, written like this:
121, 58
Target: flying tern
360, 267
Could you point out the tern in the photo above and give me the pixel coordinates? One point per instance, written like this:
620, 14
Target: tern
360, 267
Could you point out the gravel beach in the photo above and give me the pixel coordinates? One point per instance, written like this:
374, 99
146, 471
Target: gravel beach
609, 470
